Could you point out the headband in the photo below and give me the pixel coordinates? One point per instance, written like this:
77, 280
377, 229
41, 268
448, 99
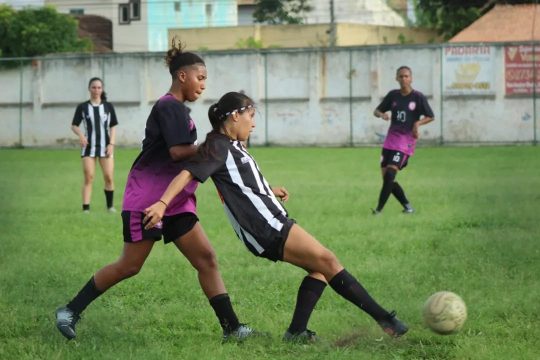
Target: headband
223, 116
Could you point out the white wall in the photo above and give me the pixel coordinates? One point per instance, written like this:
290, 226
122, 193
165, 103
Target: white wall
304, 96
367, 12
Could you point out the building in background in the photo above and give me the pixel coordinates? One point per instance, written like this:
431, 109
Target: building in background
365, 12
149, 25
19, 4
504, 23
139, 26
163, 15
246, 8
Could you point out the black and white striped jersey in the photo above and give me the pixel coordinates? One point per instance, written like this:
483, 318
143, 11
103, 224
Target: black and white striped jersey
255, 213
97, 120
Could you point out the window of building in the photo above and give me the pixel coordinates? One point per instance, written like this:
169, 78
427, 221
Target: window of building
177, 6
123, 14
208, 10
135, 10
76, 11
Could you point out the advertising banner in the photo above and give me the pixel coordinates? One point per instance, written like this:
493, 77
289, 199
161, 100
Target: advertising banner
468, 70
520, 64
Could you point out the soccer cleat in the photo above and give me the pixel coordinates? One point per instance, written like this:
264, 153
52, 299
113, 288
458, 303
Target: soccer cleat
241, 333
408, 210
303, 337
66, 320
111, 210
375, 212
86, 211
393, 326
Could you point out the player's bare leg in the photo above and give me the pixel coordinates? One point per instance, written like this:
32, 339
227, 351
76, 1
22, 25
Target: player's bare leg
89, 169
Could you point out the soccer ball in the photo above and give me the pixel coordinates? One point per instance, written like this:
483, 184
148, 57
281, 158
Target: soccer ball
444, 312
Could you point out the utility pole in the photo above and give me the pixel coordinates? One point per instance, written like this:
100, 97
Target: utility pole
332, 30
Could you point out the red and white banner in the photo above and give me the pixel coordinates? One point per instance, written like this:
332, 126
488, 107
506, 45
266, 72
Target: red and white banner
520, 63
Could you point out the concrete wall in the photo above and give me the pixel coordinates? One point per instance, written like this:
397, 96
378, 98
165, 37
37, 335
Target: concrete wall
294, 36
304, 96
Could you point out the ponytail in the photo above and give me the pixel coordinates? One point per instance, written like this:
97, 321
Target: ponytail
215, 116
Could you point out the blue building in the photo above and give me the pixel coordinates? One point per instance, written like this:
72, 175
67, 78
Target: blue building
163, 15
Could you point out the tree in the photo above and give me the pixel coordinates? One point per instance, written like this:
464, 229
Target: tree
449, 17
38, 31
280, 11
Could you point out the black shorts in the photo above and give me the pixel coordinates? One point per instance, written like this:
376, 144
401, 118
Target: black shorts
171, 227
263, 240
394, 157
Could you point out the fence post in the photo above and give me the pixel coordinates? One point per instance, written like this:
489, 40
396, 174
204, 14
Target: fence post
351, 128
265, 99
535, 79
20, 103
441, 94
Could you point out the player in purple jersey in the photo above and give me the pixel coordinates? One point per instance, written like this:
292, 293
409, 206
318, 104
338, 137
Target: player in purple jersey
261, 222
409, 110
170, 138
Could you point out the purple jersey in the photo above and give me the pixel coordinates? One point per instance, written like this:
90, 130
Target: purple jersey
168, 124
406, 110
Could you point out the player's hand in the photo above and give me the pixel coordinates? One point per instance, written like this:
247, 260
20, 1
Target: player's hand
153, 214
415, 131
83, 141
109, 151
281, 193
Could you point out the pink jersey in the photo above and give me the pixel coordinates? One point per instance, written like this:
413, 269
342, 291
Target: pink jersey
168, 124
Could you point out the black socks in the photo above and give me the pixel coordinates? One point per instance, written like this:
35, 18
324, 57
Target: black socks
309, 293
398, 192
388, 186
86, 295
224, 311
348, 287
109, 198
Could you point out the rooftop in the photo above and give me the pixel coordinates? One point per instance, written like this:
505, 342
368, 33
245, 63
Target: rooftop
504, 23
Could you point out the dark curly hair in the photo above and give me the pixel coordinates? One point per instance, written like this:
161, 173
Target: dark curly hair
176, 58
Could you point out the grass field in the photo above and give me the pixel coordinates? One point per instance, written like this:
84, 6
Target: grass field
476, 232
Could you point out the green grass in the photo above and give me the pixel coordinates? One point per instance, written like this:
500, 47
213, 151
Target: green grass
476, 232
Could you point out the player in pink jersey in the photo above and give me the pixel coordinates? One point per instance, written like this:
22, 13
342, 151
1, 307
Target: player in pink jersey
409, 110
170, 139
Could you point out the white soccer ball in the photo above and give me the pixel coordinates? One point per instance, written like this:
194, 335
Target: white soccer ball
444, 312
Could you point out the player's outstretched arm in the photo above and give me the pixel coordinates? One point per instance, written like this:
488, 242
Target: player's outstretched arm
155, 212
281, 193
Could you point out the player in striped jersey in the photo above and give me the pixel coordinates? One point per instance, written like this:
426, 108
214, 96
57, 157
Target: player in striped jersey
170, 138
97, 141
409, 110
261, 222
